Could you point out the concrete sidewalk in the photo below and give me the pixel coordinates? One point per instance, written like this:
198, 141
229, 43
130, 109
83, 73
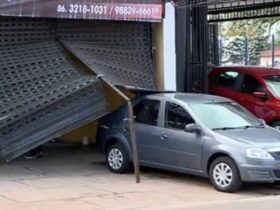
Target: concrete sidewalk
78, 179
264, 203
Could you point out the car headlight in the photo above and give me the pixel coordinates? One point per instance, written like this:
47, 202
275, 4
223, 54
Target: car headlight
257, 153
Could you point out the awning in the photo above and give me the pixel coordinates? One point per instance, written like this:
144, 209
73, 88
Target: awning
237, 10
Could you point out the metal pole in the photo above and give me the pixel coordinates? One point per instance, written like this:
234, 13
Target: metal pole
206, 58
181, 27
132, 130
215, 43
133, 142
221, 52
246, 56
273, 51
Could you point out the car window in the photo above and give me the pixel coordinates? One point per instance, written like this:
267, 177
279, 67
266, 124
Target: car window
227, 79
273, 81
224, 115
146, 112
250, 85
176, 117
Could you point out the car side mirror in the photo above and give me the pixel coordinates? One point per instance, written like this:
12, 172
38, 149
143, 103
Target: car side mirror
193, 128
260, 94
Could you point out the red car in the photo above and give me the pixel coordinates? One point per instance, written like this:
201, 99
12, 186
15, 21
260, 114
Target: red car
257, 89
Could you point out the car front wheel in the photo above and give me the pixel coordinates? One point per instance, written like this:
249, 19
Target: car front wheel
117, 159
224, 175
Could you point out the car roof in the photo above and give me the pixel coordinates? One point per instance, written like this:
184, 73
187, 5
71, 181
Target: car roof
192, 98
250, 69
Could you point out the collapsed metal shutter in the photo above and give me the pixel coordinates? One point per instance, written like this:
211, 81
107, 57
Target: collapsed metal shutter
43, 93
44, 90
121, 51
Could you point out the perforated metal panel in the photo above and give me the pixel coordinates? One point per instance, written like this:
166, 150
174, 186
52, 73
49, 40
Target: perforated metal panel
43, 93
22, 30
121, 52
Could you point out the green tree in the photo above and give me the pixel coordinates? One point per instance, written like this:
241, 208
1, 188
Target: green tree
253, 28
255, 48
233, 50
258, 32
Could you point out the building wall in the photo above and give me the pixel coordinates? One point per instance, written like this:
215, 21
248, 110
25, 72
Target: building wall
267, 61
169, 49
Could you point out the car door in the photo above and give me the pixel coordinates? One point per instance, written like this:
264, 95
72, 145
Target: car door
245, 97
185, 147
151, 147
225, 84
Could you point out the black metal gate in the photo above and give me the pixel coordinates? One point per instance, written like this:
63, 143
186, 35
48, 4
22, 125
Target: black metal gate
192, 45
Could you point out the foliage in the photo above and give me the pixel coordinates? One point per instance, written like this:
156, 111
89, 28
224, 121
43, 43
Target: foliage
258, 32
234, 50
253, 28
256, 46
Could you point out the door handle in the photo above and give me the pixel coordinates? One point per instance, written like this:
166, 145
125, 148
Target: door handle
163, 136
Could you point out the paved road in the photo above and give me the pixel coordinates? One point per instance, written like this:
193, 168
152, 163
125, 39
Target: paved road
78, 179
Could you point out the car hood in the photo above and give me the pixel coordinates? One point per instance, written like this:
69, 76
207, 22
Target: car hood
262, 137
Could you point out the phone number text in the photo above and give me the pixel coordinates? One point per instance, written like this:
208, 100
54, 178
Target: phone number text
108, 10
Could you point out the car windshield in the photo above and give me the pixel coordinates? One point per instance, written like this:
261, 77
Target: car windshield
273, 81
225, 115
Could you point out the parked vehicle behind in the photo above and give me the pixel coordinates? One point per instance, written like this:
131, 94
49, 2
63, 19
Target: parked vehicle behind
203, 135
255, 88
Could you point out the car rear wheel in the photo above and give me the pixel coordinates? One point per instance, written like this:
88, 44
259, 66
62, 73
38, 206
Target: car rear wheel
224, 175
117, 159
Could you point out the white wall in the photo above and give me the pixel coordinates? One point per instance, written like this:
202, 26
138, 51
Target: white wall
169, 55
267, 61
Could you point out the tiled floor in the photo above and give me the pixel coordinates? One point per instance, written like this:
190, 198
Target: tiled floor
77, 179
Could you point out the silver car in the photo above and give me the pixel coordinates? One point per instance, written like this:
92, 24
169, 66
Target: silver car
197, 134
